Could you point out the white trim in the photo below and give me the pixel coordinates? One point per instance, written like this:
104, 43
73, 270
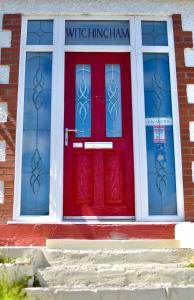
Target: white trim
93, 222
143, 183
155, 49
54, 121
19, 125
59, 131
136, 116
57, 125
176, 129
100, 218
97, 48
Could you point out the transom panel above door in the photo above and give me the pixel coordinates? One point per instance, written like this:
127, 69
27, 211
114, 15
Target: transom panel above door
98, 153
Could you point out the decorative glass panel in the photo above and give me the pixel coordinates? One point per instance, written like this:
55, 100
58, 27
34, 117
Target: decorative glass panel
97, 33
159, 135
36, 135
154, 33
83, 101
113, 101
40, 32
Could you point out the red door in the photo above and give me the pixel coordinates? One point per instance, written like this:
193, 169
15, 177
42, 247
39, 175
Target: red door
98, 153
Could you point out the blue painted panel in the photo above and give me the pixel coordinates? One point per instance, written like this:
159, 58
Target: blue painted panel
113, 101
154, 33
40, 32
159, 137
83, 101
36, 135
97, 33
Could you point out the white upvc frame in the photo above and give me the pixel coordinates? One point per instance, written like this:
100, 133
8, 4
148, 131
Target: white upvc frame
144, 216
57, 116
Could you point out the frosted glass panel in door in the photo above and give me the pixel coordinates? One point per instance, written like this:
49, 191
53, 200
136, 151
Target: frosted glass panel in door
113, 101
83, 101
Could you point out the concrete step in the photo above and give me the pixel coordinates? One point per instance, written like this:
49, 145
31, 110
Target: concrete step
115, 275
73, 257
62, 293
111, 244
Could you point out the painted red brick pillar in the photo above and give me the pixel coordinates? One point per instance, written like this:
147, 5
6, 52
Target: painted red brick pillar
185, 75
8, 94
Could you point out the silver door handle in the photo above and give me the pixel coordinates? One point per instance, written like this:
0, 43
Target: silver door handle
67, 130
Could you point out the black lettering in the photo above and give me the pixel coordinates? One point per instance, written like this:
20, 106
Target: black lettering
94, 32
125, 33
70, 32
106, 33
99, 33
112, 33
84, 33
90, 33
118, 33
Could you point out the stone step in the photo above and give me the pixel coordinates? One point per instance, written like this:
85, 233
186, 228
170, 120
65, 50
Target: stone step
73, 257
114, 275
62, 293
111, 244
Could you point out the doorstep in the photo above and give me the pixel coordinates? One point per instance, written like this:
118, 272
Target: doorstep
24, 234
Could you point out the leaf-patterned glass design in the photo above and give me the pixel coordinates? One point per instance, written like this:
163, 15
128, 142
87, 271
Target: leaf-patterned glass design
36, 135
113, 100
83, 101
40, 32
154, 33
159, 135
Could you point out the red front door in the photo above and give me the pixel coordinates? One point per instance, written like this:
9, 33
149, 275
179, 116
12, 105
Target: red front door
98, 153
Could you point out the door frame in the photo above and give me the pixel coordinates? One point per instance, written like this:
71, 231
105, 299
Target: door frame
57, 115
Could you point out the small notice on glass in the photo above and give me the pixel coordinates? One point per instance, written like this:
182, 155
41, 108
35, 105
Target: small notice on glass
159, 134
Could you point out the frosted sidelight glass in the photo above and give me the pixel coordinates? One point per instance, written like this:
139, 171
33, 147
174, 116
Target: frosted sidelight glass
159, 135
36, 135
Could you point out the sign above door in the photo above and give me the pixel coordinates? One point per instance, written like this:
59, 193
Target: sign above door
97, 32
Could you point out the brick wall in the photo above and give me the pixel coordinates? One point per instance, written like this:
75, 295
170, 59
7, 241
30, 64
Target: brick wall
185, 76
8, 95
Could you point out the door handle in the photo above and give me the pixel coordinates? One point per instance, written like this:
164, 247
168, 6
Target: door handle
67, 130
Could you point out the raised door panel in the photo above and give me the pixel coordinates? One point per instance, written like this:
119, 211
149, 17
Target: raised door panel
114, 178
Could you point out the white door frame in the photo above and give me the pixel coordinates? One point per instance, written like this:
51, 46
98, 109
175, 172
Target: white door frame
57, 116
